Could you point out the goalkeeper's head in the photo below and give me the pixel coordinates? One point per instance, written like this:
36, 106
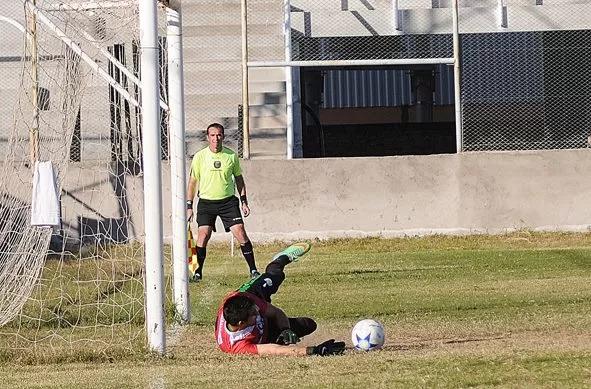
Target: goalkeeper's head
240, 311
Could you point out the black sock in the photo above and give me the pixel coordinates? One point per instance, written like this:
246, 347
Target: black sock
248, 253
276, 266
282, 260
201, 253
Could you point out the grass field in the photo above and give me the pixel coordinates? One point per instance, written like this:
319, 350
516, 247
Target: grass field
508, 311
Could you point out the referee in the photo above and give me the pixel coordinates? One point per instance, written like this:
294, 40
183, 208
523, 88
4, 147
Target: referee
214, 171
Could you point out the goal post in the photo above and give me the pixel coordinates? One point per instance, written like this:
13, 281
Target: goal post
103, 283
152, 177
178, 173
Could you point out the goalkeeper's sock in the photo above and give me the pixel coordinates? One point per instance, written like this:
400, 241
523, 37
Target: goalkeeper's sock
248, 253
283, 260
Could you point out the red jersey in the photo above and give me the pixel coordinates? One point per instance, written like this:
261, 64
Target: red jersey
244, 341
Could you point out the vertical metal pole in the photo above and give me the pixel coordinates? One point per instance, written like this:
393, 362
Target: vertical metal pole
396, 22
288, 78
501, 14
240, 150
245, 103
34, 130
457, 79
154, 281
298, 143
178, 169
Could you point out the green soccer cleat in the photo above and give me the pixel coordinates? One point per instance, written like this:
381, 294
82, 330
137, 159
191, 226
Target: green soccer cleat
295, 251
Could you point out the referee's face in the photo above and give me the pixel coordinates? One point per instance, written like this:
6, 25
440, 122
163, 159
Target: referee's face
215, 137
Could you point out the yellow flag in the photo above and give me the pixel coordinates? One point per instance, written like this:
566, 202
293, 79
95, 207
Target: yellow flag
192, 253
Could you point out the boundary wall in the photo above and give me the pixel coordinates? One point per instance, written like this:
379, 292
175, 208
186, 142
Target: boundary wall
382, 196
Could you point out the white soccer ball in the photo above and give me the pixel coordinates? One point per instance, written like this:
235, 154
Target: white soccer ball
368, 335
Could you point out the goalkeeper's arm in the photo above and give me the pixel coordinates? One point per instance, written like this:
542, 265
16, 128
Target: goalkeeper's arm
330, 347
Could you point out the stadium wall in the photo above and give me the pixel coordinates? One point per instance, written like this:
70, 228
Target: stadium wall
387, 196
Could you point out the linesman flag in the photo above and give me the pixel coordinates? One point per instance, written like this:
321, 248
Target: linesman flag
192, 253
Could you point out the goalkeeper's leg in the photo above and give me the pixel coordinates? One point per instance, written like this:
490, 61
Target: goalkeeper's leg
302, 326
267, 284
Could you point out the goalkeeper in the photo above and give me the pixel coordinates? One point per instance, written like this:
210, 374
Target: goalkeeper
247, 322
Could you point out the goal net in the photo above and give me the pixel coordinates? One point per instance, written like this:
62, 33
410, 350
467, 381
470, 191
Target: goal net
75, 288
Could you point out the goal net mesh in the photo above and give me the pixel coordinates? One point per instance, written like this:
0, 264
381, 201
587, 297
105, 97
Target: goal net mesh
78, 288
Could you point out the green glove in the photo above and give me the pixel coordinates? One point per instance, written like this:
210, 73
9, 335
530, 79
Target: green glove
287, 336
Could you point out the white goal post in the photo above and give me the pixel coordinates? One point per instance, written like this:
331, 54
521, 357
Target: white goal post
152, 171
155, 320
65, 77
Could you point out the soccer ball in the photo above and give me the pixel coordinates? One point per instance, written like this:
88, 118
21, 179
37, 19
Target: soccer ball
368, 335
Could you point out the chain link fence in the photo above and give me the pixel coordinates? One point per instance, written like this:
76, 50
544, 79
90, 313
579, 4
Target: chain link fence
527, 85
214, 67
367, 30
524, 79
524, 84
212, 64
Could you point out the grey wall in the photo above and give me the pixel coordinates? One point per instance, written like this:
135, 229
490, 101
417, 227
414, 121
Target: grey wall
388, 196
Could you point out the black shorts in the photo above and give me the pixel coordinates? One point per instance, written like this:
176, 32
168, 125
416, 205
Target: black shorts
227, 209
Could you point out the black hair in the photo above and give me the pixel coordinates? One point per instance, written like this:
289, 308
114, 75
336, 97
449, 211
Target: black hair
215, 125
237, 308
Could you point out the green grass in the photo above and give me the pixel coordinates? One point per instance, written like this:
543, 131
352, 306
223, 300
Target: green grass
509, 311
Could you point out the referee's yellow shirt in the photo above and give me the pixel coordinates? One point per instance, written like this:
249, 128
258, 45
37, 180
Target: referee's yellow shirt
215, 173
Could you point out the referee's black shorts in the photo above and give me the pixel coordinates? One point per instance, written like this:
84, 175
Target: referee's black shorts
227, 209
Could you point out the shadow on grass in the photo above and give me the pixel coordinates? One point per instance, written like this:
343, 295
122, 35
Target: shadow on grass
420, 345
383, 271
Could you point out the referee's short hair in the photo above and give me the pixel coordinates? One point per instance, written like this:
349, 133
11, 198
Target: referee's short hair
215, 125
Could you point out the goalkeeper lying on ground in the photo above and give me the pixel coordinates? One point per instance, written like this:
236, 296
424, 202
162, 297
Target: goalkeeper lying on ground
247, 322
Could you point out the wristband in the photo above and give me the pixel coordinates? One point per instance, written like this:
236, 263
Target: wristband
243, 199
189, 204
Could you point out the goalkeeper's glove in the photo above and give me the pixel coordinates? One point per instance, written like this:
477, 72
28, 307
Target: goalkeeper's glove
287, 336
330, 347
